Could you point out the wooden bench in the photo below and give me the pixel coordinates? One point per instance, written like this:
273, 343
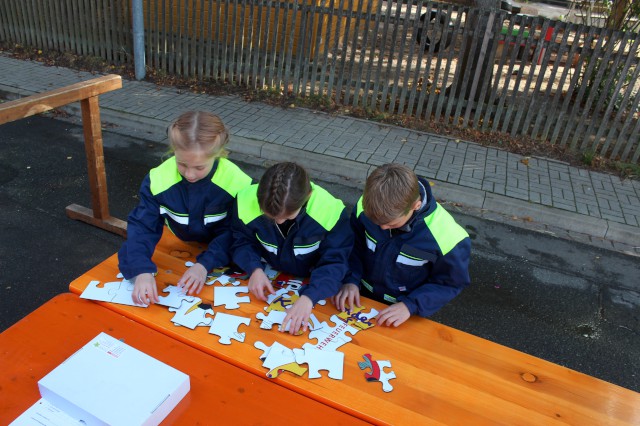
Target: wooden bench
87, 93
444, 376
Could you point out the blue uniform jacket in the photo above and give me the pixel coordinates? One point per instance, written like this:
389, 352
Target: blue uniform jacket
317, 244
193, 212
425, 264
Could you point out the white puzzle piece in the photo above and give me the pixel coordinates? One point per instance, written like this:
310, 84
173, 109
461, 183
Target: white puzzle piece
377, 373
274, 318
275, 355
278, 293
226, 326
223, 280
174, 297
314, 323
227, 296
331, 337
191, 315
282, 302
114, 292
316, 359
278, 359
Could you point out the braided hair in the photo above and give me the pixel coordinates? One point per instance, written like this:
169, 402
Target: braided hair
283, 189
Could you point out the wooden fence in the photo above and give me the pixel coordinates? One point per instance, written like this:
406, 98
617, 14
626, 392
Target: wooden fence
571, 85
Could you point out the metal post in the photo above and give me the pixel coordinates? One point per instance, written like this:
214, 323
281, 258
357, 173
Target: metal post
138, 38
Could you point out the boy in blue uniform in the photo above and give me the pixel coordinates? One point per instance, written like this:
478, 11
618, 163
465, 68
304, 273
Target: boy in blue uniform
192, 193
298, 228
408, 252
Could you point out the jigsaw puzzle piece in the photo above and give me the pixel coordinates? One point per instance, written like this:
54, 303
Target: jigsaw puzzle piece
270, 272
275, 355
292, 367
175, 297
226, 326
282, 302
191, 315
332, 337
222, 280
227, 296
279, 292
114, 292
268, 321
316, 359
278, 358
377, 373
356, 317
276, 318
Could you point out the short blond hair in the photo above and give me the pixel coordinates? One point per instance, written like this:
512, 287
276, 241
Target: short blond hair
389, 193
201, 130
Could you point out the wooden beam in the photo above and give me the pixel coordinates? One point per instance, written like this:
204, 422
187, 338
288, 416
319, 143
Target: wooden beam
42, 102
87, 93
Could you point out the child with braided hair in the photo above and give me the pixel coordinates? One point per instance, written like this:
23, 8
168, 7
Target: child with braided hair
298, 228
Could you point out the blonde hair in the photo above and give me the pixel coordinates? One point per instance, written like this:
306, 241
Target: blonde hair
199, 130
283, 189
389, 193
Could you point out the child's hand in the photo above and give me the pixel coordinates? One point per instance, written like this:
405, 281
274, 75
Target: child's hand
259, 283
394, 315
348, 293
193, 279
298, 315
145, 291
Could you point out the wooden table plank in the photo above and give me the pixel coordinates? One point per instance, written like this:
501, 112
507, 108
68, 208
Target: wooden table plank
220, 393
443, 375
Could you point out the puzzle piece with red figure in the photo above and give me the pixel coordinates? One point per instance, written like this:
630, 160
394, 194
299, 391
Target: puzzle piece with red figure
227, 296
377, 373
356, 317
174, 297
226, 326
331, 337
316, 359
191, 314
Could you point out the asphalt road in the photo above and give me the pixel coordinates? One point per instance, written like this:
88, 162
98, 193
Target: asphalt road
562, 301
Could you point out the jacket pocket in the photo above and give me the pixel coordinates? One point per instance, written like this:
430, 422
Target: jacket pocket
305, 246
412, 267
214, 214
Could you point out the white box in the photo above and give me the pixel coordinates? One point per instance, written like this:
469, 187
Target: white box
107, 382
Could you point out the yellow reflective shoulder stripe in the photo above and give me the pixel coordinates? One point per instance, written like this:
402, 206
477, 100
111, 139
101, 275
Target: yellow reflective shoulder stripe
324, 208
359, 207
248, 207
164, 176
230, 177
444, 229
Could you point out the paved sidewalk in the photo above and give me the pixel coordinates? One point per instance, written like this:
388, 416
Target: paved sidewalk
541, 194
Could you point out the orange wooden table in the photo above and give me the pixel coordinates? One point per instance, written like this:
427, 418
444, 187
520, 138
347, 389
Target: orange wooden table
443, 375
220, 393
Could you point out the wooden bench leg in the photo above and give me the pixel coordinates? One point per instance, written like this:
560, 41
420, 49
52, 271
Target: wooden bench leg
100, 216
